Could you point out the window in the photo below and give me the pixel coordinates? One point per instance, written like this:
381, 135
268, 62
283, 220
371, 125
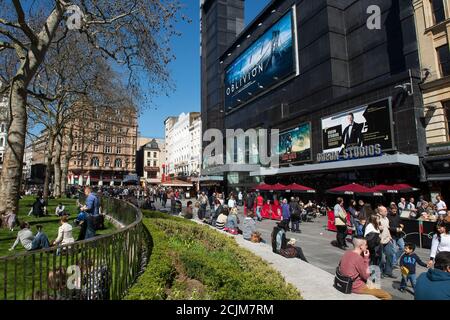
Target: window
108, 139
95, 162
119, 150
75, 147
107, 162
1, 157
3, 127
154, 154
446, 106
97, 126
438, 10
2, 142
149, 163
108, 149
155, 164
149, 154
118, 163
119, 140
96, 148
444, 59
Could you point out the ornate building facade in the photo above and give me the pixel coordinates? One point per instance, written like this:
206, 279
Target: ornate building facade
104, 147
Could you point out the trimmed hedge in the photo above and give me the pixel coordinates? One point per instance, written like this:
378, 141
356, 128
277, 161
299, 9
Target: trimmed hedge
192, 261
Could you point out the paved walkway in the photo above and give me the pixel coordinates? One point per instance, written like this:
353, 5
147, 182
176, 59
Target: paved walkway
312, 282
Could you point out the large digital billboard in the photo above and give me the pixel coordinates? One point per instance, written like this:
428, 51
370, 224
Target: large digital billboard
368, 125
267, 62
295, 144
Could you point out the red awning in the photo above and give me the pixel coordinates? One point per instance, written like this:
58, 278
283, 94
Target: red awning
263, 187
278, 187
353, 188
299, 188
399, 187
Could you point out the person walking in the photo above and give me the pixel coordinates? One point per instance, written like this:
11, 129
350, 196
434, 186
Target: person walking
387, 243
396, 229
92, 210
340, 221
259, 205
295, 215
408, 261
285, 213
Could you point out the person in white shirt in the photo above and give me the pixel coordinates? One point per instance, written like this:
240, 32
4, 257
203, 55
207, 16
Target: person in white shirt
64, 233
441, 207
240, 198
440, 242
231, 202
401, 205
411, 206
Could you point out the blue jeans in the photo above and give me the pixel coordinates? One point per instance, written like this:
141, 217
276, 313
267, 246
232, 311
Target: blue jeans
411, 278
90, 229
387, 261
400, 247
258, 212
295, 225
40, 242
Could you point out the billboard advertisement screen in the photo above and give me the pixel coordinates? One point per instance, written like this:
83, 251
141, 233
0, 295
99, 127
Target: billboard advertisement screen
363, 126
295, 144
268, 61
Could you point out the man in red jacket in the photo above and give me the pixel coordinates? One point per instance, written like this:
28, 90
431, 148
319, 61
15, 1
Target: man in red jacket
259, 205
355, 264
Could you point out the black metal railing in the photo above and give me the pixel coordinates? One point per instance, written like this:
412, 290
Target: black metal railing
103, 267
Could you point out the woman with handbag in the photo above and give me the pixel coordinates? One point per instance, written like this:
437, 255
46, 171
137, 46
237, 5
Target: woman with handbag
340, 221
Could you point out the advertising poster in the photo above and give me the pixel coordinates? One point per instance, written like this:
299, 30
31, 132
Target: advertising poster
295, 144
269, 60
363, 126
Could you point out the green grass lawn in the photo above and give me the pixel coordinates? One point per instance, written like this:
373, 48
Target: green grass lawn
191, 261
30, 272
50, 223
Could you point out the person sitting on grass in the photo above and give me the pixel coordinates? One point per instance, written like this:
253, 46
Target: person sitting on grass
64, 232
40, 241
60, 210
24, 236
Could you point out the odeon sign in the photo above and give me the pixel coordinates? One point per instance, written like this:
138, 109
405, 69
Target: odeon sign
351, 153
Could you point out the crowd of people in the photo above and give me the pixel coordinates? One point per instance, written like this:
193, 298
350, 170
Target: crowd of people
378, 240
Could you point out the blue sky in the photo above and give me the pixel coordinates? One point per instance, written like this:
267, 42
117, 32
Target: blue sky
185, 71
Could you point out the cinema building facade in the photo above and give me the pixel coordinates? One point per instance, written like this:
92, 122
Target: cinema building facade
346, 98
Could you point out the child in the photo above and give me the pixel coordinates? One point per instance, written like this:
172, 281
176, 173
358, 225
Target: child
408, 262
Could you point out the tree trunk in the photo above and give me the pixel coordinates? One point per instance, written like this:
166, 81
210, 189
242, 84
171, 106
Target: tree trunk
11, 178
65, 160
48, 165
57, 167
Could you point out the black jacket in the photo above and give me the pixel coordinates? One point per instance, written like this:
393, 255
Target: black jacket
394, 223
